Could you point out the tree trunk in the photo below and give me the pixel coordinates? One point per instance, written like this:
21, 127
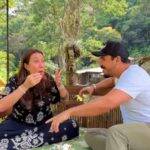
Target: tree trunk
70, 25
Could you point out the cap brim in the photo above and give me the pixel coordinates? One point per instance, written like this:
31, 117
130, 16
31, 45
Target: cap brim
98, 53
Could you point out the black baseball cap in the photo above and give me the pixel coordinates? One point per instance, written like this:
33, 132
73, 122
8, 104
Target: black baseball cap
113, 49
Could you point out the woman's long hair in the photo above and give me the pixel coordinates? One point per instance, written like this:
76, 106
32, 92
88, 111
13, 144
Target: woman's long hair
34, 94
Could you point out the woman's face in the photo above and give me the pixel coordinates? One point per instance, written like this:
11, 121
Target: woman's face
36, 64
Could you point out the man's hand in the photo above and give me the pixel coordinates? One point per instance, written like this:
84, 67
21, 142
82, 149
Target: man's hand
87, 90
32, 80
57, 120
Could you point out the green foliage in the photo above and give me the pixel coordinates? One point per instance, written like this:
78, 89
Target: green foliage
114, 8
3, 63
137, 52
135, 25
91, 44
107, 33
36, 23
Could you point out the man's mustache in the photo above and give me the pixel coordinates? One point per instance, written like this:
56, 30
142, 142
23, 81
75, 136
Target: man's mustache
102, 67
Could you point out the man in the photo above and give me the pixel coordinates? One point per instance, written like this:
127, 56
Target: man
131, 92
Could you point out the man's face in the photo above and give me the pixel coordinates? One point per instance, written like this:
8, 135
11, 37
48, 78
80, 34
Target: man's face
108, 64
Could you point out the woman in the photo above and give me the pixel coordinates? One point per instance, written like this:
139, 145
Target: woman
32, 92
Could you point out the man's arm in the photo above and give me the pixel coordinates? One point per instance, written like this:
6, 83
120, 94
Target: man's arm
99, 106
104, 84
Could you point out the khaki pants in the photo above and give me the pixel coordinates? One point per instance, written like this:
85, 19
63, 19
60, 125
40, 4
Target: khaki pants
135, 136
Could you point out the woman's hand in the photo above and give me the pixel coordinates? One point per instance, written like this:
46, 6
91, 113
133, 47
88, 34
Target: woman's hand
58, 77
57, 120
62, 90
32, 80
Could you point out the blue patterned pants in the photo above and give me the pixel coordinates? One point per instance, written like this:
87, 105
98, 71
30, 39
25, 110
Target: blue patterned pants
19, 136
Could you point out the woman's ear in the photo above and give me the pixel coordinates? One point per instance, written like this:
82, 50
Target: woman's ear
26, 66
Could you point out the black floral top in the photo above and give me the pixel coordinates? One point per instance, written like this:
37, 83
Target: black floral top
41, 111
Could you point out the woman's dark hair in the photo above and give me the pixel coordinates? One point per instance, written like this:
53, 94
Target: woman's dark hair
34, 94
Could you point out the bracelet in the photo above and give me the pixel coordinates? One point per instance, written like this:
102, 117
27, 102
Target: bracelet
94, 86
63, 87
22, 89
